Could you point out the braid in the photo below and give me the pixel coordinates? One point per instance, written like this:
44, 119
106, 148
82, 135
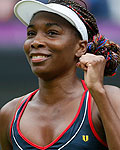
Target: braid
111, 51
98, 44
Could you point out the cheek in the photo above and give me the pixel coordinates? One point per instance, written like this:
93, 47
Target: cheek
65, 48
63, 44
27, 46
65, 54
27, 49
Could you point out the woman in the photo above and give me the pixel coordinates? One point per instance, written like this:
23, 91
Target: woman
65, 112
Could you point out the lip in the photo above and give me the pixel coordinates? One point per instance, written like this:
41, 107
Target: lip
37, 60
39, 57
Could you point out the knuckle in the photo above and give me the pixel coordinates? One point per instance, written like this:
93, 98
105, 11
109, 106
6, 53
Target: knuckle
102, 57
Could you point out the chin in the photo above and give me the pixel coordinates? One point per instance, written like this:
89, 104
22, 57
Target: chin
44, 75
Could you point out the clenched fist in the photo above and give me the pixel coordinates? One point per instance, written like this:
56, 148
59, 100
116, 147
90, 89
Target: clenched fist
93, 66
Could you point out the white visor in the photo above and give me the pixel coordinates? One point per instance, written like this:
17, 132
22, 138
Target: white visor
25, 9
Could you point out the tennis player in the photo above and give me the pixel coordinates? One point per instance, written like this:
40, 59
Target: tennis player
65, 113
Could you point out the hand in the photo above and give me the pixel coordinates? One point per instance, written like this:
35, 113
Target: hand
93, 66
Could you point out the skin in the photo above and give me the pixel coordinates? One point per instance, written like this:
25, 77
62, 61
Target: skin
60, 89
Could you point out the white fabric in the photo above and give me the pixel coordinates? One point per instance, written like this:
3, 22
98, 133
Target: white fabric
25, 9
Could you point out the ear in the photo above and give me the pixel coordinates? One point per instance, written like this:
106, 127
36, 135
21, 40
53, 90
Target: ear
81, 48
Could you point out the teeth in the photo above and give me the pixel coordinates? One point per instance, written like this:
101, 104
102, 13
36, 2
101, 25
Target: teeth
34, 57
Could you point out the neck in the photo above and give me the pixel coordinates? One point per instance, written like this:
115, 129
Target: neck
59, 89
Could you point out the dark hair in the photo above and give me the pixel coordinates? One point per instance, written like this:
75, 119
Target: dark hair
98, 44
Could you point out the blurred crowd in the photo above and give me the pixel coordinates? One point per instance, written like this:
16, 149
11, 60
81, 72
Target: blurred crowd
6, 9
100, 8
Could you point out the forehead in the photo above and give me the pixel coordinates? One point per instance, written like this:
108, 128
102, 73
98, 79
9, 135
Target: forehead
50, 17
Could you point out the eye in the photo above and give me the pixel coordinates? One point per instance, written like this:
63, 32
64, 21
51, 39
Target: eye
53, 32
31, 33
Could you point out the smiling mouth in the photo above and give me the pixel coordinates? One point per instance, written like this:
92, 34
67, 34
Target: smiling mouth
39, 58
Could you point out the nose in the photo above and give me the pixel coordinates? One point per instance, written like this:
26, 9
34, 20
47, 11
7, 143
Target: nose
38, 43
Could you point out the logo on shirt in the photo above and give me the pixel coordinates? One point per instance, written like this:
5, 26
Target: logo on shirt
85, 138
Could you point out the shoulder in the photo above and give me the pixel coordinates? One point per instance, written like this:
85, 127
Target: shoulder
111, 87
6, 115
8, 109
112, 92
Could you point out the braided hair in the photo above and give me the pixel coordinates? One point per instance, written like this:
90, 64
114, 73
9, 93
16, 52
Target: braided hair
97, 44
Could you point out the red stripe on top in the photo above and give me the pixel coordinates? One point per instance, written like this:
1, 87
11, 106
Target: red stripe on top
16, 114
13, 120
91, 123
45, 147
84, 85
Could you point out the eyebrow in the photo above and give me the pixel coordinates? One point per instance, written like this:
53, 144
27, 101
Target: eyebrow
30, 26
52, 24
47, 25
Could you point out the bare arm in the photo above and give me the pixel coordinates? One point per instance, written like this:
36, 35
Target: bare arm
6, 115
108, 103
4, 125
107, 98
5, 144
